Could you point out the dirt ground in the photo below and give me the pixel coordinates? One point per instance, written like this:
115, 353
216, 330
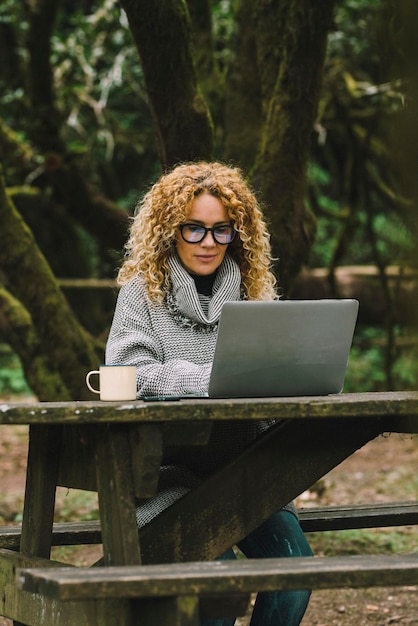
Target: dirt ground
384, 470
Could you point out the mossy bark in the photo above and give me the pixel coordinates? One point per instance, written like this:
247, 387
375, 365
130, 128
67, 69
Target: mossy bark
210, 73
243, 102
14, 151
17, 327
46, 120
66, 350
181, 117
291, 43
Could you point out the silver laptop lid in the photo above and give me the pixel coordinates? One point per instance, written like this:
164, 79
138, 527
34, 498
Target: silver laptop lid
282, 348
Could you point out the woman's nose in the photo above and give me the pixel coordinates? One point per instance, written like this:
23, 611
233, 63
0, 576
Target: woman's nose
209, 240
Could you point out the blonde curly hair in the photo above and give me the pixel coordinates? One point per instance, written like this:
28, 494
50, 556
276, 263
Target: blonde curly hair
157, 217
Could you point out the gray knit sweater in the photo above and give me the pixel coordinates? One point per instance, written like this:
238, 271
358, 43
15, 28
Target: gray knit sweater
172, 344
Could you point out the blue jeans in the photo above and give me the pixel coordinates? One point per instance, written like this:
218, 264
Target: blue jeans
279, 536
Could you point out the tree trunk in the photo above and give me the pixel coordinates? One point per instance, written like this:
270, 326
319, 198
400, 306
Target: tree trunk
181, 117
243, 96
17, 328
67, 352
46, 120
291, 43
209, 74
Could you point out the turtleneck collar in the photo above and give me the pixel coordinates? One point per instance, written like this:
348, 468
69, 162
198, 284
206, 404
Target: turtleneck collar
204, 284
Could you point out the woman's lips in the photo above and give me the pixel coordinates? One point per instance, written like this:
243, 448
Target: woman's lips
206, 258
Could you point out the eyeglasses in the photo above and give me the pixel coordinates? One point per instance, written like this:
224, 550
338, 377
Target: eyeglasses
195, 233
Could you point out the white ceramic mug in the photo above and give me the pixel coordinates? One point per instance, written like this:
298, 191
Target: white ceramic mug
116, 382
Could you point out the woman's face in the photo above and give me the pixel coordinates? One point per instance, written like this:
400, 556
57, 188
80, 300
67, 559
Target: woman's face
205, 257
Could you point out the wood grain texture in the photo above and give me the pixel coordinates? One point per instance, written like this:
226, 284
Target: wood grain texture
351, 405
222, 577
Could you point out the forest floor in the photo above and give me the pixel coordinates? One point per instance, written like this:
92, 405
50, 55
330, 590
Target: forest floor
385, 470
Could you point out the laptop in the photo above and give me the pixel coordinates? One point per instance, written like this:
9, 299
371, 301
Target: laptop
282, 348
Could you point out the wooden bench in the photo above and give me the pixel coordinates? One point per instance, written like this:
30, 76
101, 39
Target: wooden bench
181, 594
315, 519
347, 517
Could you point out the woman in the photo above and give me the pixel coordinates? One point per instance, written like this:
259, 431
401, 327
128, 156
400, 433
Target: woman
198, 239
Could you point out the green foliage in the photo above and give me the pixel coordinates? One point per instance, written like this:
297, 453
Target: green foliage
102, 94
367, 365
364, 541
223, 31
395, 244
99, 92
12, 379
354, 39
365, 371
355, 179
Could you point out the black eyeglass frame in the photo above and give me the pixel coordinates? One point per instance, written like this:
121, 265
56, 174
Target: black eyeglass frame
206, 230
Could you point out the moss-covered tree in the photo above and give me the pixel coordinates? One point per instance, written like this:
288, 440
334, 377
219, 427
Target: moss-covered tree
35, 318
290, 78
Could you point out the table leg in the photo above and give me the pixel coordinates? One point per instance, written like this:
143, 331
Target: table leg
146, 446
41, 483
116, 497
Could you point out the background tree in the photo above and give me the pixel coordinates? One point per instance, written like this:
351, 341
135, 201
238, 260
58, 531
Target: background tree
35, 316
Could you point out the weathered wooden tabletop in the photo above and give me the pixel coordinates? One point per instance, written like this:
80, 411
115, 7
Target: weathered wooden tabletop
349, 405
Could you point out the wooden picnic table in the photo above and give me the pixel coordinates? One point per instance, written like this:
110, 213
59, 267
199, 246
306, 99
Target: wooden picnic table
116, 449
